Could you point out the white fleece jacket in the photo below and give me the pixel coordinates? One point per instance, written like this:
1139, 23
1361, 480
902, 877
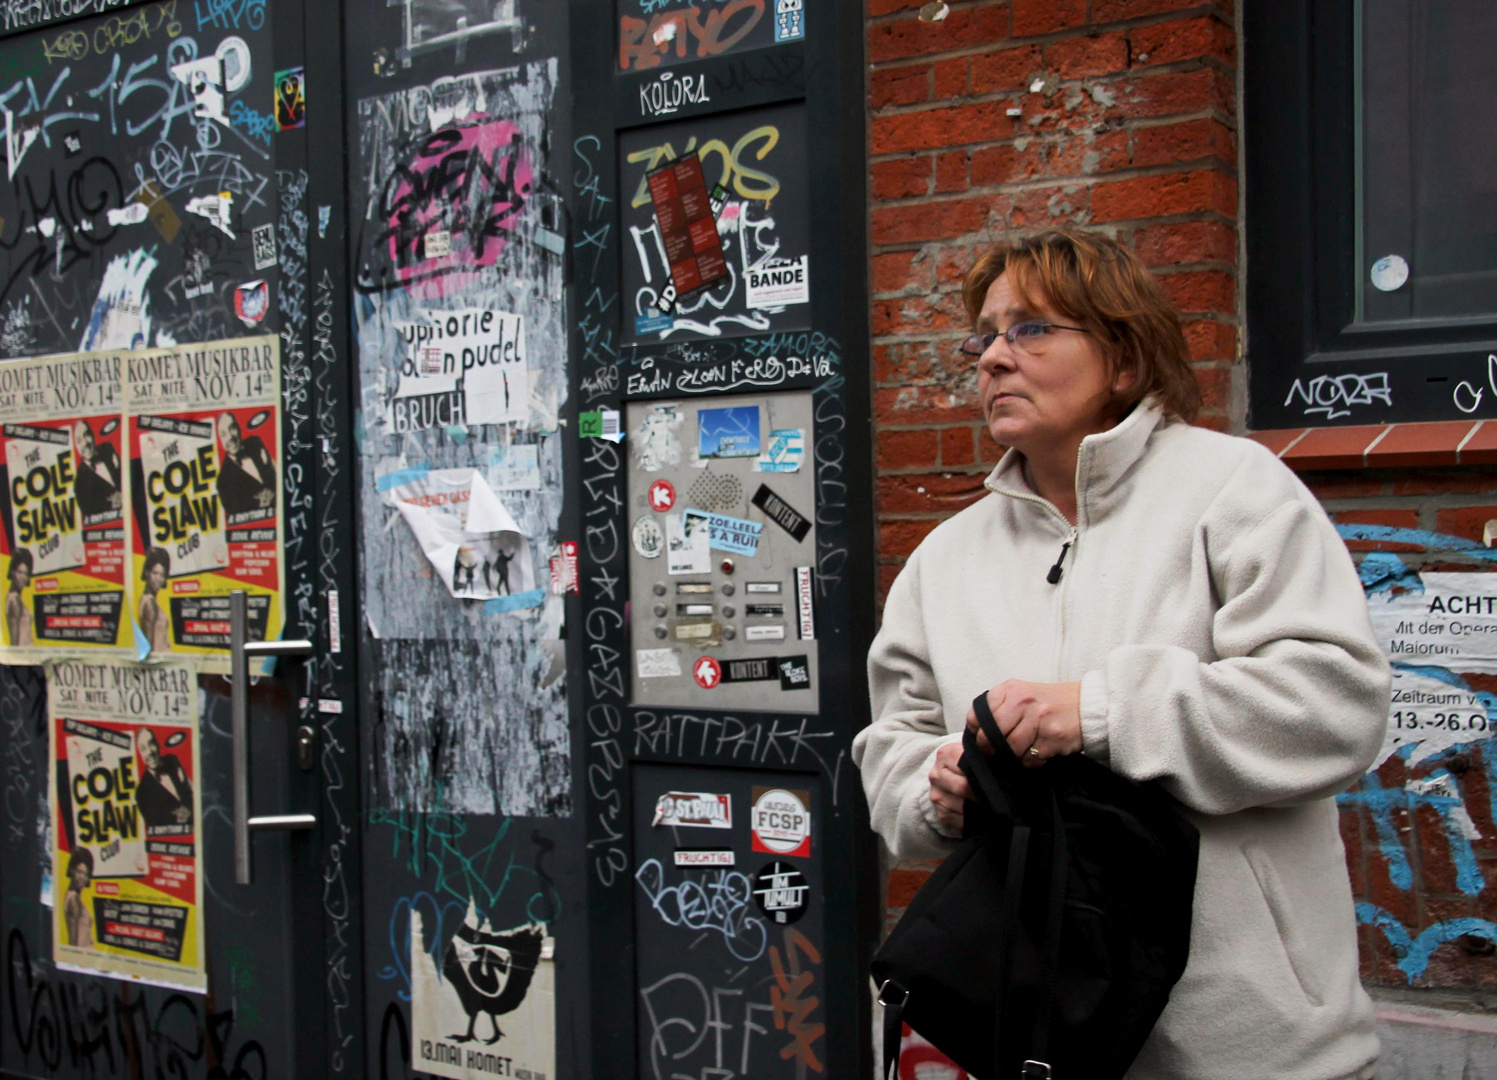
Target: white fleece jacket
1222, 642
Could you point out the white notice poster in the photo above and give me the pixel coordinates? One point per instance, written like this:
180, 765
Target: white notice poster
490, 1010
1451, 624
466, 533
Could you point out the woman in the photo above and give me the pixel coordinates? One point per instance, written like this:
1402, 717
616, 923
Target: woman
154, 572
1171, 602
17, 615
77, 920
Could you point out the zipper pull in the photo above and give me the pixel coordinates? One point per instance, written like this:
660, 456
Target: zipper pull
1053, 577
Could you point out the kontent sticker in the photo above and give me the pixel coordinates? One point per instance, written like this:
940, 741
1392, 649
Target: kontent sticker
62, 548
204, 436
126, 821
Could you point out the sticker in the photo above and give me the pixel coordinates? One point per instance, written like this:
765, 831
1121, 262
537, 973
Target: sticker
728, 433
781, 513
751, 669
251, 302
703, 634
216, 209
233, 55
764, 633
654, 322
564, 569
601, 424
1389, 273
291, 98
697, 809
324, 216
795, 673
129, 214
662, 495
706, 671
657, 663
769, 610
334, 623
515, 468
203, 78
684, 587
789, 20
695, 610
804, 603
730, 534
778, 283
329, 705
762, 587
20, 133
688, 231
780, 821
72, 144
781, 892
649, 539
437, 244
787, 447
262, 242
704, 856
657, 442
475, 984
686, 544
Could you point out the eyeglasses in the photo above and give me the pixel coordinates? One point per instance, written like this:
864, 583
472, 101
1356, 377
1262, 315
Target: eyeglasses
1024, 335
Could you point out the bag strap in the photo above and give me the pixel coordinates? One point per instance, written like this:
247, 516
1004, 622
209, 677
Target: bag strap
1008, 929
1037, 1067
893, 1027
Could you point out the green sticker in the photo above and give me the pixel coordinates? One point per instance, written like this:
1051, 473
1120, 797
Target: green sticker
590, 425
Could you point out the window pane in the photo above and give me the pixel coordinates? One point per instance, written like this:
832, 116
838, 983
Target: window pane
1427, 141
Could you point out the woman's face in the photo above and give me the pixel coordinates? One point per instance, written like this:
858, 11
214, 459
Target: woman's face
81, 876
1044, 395
20, 576
156, 577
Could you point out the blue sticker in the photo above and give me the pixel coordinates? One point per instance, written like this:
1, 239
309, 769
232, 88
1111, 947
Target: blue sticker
534, 598
649, 324
733, 535
728, 433
789, 20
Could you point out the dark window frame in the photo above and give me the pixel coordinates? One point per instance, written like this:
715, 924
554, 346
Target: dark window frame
1309, 362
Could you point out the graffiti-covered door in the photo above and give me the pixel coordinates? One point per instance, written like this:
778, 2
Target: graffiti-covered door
171, 299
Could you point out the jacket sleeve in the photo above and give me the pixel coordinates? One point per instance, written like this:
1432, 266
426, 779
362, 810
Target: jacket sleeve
896, 752
1294, 706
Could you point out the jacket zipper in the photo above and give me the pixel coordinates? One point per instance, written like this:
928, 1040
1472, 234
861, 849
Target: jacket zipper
1053, 577
1056, 574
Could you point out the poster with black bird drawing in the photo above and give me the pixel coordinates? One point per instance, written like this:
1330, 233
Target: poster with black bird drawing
483, 1002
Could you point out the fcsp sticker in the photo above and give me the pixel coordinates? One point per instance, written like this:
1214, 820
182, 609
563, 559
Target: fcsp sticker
701, 809
781, 892
781, 822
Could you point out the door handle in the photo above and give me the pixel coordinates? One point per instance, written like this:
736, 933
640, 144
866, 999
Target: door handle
240, 651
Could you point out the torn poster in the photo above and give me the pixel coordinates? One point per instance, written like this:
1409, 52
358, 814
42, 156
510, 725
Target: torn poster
205, 491
1449, 621
466, 533
464, 366
127, 852
686, 546
490, 1009
62, 550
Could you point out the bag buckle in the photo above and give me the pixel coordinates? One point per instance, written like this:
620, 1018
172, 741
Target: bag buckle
1035, 1070
884, 989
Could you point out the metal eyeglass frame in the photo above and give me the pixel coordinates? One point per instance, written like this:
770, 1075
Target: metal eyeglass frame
1008, 335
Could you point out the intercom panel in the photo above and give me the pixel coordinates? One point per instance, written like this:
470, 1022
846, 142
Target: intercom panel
722, 552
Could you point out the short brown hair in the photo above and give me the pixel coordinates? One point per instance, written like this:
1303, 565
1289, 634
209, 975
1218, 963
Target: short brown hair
1100, 285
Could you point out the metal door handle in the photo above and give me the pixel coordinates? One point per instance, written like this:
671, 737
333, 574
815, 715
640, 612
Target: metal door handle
240, 651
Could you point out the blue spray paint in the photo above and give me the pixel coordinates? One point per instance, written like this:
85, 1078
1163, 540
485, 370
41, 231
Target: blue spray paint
1414, 953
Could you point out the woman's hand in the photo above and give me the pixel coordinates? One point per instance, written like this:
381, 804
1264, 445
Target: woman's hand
949, 788
1039, 720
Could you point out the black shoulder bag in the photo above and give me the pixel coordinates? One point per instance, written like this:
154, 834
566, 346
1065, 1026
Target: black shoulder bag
1047, 943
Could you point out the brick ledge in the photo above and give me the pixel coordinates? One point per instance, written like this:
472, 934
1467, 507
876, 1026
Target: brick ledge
1384, 446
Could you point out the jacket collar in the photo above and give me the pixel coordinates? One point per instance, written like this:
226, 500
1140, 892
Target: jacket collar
1103, 461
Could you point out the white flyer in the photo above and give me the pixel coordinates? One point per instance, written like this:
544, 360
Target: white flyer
687, 546
1451, 623
489, 1010
467, 534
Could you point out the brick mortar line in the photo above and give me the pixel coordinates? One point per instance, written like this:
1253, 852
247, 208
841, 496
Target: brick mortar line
1170, 270
1129, 124
1132, 172
1145, 70
995, 97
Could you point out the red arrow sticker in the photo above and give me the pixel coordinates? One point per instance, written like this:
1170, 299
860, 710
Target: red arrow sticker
707, 673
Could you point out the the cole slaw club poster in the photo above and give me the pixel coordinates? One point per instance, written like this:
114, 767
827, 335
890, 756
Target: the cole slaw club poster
62, 545
204, 440
126, 836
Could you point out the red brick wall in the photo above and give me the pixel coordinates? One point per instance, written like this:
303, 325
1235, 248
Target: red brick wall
1132, 130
